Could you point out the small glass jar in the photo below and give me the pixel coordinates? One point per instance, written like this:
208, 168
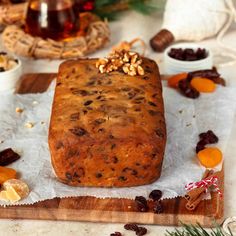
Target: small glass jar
57, 19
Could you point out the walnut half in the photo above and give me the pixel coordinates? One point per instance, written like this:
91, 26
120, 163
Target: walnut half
128, 62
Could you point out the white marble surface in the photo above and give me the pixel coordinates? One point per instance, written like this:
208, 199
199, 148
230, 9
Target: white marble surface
129, 26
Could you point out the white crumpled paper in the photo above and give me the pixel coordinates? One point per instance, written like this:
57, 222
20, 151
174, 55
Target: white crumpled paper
185, 119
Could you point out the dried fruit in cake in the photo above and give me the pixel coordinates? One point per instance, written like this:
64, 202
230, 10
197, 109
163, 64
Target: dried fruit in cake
6, 174
203, 85
174, 80
210, 157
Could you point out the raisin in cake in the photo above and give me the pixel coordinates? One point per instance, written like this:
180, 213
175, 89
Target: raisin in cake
107, 129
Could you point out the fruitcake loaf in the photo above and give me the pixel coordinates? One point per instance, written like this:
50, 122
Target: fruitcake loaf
107, 129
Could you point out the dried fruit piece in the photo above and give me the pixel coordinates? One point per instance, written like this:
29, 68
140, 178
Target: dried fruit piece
158, 207
174, 80
6, 174
155, 195
203, 85
187, 90
8, 156
206, 138
116, 234
210, 157
10, 195
141, 204
20, 187
29, 125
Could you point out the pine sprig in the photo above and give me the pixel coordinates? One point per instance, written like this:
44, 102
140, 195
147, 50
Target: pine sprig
110, 8
197, 230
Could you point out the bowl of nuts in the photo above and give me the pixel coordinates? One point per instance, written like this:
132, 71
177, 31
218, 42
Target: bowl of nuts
186, 57
10, 71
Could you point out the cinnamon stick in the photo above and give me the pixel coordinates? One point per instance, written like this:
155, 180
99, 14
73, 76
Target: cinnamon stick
195, 196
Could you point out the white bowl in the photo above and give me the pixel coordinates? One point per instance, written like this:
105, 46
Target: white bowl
174, 66
10, 78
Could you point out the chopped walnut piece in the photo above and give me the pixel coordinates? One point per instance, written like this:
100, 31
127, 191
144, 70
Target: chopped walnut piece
19, 110
129, 62
29, 125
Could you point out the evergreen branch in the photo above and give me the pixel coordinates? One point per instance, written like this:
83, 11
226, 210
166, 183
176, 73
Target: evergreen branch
196, 230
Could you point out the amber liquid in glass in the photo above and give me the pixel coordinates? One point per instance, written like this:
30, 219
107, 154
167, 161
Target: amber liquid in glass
48, 20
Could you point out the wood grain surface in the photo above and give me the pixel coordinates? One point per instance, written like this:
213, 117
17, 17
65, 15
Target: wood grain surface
109, 210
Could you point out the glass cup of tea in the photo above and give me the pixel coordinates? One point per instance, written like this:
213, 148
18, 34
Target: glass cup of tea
55, 19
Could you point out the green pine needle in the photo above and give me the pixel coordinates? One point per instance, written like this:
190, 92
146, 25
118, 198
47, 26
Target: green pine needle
196, 230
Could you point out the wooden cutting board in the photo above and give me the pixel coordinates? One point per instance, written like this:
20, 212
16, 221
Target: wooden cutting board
109, 210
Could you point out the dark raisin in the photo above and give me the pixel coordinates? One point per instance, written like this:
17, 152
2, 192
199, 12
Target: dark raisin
159, 133
83, 93
137, 109
153, 113
132, 227
80, 172
122, 178
141, 231
152, 104
111, 136
115, 159
129, 170
200, 145
141, 204
145, 77
59, 145
116, 234
187, 90
113, 146
155, 195
2, 69
72, 153
209, 136
3, 53
98, 175
68, 176
91, 83
155, 95
102, 130
74, 117
126, 89
58, 84
87, 103
139, 98
158, 207
73, 71
99, 97
78, 131
131, 95
85, 112
99, 121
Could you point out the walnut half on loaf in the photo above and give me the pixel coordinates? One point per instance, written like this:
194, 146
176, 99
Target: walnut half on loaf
107, 129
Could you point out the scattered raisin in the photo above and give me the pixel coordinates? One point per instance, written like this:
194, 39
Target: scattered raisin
155, 195
116, 234
87, 103
132, 227
78, 131
141, 204
141, 231
206, 138
187, 90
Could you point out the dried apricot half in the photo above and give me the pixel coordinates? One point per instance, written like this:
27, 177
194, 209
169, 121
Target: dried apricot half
210, 157
174, 80
203, 85
6, 174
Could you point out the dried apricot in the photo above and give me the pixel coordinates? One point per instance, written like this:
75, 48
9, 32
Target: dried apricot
203, 85
210, 157
6, 174
174, 80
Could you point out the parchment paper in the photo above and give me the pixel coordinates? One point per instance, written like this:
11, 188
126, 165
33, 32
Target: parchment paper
185, 119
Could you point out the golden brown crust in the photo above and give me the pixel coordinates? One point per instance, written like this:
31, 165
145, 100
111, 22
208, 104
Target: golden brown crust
107, 129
